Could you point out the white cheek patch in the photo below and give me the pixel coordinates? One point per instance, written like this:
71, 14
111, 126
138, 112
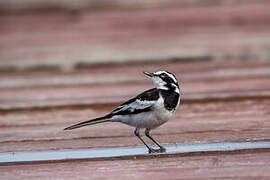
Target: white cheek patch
159, 83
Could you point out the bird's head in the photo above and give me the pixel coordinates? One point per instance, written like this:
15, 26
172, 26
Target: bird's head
164, 80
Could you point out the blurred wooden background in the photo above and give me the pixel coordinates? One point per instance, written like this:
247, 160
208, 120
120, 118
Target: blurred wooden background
71, 34
62, 62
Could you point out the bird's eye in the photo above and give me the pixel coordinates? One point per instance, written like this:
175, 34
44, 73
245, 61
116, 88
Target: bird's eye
162, 75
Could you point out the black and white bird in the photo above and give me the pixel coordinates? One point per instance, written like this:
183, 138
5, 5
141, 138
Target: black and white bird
148, 110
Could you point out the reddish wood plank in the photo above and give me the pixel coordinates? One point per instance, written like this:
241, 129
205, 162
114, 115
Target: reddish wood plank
198, 119
59, 40
211, 109
243, 166
212, 80
236, 120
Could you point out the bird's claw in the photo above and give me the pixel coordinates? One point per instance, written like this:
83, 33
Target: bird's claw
160, 150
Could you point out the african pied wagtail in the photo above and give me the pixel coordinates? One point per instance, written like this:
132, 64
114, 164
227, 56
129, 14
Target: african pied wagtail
148, 110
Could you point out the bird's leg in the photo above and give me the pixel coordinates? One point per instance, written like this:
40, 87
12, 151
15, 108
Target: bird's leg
137, 133
161, 148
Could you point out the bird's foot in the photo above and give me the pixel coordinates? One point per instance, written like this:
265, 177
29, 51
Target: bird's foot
160, 150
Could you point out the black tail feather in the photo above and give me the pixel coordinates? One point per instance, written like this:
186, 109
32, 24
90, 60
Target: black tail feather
89, 122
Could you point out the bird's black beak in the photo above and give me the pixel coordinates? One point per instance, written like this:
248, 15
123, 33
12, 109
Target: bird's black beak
149, 74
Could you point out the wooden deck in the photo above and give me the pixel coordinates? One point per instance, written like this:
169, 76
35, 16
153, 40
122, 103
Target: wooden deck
63, 40
68, 65
222, 101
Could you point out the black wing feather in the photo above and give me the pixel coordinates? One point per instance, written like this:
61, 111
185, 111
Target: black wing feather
149, 95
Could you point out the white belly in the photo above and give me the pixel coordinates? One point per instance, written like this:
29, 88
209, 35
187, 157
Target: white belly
152, 119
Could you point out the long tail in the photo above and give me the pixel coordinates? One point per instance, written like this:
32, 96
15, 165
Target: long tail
89, 122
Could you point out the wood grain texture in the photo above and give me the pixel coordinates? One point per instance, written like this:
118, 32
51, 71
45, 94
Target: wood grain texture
222, 166
64, 67
223, 100
63, 40
216, 106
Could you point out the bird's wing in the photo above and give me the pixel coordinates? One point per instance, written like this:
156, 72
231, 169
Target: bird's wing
141, 103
